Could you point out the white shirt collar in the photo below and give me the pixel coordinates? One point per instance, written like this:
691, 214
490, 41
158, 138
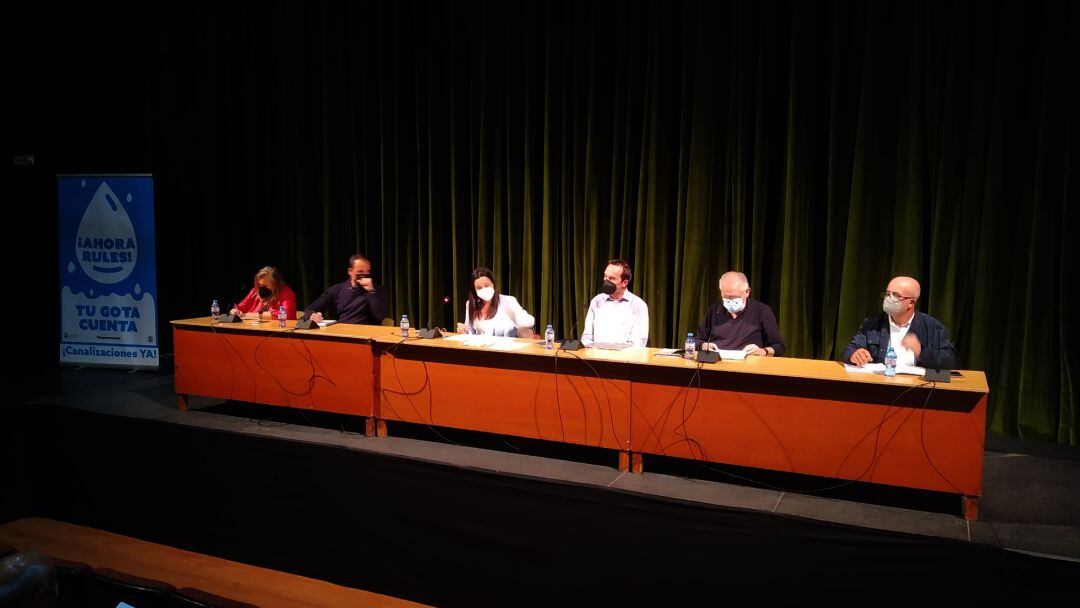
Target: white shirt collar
626, 297
895, 325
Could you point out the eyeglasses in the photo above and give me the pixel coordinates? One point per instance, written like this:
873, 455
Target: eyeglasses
895, 297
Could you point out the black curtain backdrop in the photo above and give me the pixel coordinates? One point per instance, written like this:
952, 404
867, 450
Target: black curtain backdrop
820, 147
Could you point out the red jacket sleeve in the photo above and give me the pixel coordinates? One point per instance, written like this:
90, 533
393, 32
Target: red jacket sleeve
288, 298
250, 303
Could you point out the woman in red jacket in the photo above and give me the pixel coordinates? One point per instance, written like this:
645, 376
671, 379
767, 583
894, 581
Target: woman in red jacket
269, 292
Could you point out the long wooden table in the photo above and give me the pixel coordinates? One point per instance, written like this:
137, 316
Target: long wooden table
793, 415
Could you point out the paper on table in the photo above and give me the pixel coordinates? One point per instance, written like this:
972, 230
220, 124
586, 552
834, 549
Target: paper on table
476, 340
869, 368
510, 344
494, 342
326, 322
879, 368
610, 346
732, 355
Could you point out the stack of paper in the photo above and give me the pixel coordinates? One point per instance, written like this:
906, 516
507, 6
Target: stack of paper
725, 355
611, 346
879, 368
492, 342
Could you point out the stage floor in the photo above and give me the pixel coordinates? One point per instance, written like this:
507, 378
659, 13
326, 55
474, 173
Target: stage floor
1031, 497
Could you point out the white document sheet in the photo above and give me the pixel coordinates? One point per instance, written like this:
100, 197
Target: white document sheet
491, 342
879, 368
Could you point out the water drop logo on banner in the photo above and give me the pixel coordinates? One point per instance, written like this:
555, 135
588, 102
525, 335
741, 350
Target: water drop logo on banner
108, 278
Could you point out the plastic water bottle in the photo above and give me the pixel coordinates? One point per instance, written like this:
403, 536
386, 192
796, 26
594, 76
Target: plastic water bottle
281, 315
890, 362
689, 351
215, 310
549, 338
404, 326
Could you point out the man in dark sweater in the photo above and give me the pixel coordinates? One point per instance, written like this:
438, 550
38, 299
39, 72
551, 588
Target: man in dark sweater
917, 338
357, 300
738, 323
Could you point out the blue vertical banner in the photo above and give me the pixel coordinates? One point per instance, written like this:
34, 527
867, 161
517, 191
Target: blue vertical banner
108, 273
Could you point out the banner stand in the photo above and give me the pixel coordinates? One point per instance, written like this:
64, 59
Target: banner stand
108, 273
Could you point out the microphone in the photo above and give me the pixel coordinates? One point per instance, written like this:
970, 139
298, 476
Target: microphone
305, 322
707, 356
231, 318
435, 332
570, 343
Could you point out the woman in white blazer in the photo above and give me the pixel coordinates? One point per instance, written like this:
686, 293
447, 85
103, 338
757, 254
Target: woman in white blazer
493, 314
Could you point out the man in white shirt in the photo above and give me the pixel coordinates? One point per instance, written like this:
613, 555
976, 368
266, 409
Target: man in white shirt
616, 316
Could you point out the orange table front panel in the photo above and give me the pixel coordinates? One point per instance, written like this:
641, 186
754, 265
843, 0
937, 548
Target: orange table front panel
897, 435
326, 373
506, 393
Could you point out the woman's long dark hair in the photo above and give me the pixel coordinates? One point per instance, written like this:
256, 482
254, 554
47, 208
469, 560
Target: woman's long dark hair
475, 303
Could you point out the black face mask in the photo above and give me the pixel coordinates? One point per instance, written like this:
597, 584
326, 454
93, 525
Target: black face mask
264, 292
608, 288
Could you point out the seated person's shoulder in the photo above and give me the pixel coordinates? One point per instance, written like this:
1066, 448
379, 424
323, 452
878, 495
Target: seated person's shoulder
931, 322
761, 305
874, 321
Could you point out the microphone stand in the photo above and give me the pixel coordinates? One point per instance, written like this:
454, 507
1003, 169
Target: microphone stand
434, 331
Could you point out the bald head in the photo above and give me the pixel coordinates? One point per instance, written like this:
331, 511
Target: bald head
905, 286
733, 284
900, 298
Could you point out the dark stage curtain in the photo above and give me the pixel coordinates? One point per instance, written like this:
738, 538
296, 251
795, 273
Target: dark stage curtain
821, 147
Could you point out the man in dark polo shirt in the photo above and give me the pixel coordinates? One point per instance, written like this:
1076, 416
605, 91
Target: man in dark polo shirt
738, 323
357, 300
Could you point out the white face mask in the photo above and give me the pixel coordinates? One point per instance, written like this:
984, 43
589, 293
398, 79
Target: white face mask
892, 307
486, 293
734, 305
